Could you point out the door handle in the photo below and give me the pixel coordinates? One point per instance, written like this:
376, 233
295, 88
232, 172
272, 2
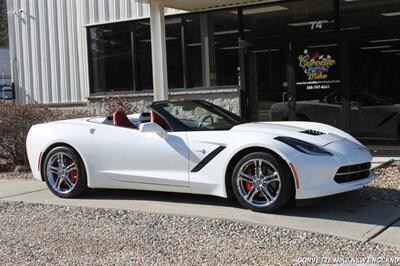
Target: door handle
283, 97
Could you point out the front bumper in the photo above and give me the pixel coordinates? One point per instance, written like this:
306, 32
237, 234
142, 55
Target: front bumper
316, 173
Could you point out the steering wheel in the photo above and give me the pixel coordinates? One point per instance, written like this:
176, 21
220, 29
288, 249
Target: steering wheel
204, 120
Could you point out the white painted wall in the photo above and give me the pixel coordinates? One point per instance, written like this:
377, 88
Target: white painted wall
48, 44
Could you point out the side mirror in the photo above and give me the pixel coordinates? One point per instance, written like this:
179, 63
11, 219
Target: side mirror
153, 128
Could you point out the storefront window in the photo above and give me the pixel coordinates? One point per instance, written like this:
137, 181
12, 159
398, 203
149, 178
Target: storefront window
193, 51
202, 51
173, 38
368, 14
212, 48
286, 18
374, 67
143, 56
111, 58
226, 33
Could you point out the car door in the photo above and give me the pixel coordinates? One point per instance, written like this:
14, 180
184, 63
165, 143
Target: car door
373, 122
201, 146
327, 113
370, 117
143, 158
205, 168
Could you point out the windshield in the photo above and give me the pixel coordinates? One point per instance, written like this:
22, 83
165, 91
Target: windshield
368, 99
199, 115
362, 97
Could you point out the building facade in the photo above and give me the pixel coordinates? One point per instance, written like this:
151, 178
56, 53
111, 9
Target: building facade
329, 61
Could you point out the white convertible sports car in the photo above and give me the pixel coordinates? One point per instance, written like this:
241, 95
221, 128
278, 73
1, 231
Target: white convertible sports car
197, 147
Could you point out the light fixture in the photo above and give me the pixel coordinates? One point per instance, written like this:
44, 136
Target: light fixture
260, 10
230, 48
224, 32
168, 21
306, 23
323, 45
388, 40
350, 28
260, 51
391, 14
167, 39
266, 50
198, 44
193, 44
390, 51
375, 47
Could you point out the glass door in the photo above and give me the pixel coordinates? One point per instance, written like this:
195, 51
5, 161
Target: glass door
273, 72
267, 80
317, 82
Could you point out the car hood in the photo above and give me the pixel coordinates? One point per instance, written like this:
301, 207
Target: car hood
304, 133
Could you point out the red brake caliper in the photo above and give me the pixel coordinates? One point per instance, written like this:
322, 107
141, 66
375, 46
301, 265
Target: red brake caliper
73, 175
248, 185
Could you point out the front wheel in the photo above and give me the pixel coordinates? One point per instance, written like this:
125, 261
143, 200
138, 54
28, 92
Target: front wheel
64, 172
262, 182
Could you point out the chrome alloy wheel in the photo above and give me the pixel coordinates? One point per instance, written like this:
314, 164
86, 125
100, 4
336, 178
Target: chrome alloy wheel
62, 172
258, 182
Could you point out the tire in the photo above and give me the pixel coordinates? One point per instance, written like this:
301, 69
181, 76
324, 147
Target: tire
267, 190
66, 179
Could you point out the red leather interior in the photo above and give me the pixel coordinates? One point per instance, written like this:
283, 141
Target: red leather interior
155, 118
120, 119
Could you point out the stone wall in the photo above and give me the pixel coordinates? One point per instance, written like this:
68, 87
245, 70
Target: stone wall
227, 98
66, 111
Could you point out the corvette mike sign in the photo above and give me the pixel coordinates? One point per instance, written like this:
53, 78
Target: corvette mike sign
316, 70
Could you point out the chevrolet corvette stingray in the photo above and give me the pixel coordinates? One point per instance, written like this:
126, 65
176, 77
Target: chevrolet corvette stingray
197, 147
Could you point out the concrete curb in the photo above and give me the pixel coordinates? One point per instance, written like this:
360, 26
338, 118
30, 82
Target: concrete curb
383, 164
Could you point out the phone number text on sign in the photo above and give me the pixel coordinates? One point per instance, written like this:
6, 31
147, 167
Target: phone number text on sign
321, 85
318, 87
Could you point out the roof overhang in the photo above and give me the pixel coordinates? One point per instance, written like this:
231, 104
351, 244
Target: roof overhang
202, 5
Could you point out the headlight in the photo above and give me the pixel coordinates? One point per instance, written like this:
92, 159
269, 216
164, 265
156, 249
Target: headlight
304, 147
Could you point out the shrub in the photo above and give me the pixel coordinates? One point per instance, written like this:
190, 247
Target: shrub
15, 121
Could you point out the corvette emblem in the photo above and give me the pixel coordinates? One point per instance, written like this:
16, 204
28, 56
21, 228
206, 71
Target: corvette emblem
360, 148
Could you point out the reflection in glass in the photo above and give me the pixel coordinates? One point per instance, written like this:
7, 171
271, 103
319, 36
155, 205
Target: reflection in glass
174, 52
111, 58
212, 48
375, 87
291, 17
143, 56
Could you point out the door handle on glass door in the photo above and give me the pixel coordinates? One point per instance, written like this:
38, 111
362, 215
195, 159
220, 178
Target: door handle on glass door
283, 97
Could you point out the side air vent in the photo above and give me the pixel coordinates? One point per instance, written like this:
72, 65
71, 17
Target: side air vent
312, 132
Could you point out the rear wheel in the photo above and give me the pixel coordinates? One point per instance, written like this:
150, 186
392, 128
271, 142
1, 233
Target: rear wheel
262, 182
64, 172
